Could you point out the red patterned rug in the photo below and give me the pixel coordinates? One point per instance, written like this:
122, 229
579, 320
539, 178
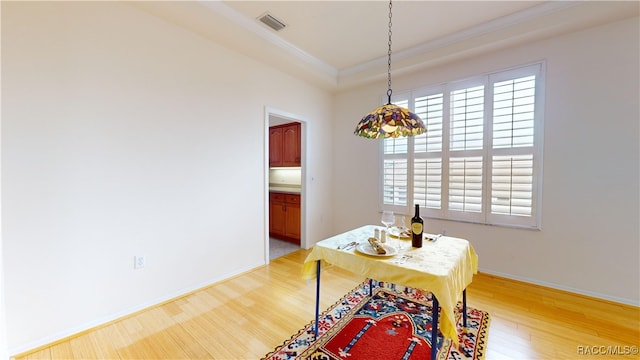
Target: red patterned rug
394, 323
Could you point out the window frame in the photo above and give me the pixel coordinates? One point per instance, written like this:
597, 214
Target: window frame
488, 152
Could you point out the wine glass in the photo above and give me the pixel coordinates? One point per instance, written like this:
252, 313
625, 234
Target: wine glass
388, 219
403, 225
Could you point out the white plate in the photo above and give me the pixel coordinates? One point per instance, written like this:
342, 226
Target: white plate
369, 250
395, 232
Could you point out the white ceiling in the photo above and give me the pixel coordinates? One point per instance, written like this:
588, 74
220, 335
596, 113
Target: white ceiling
339, 44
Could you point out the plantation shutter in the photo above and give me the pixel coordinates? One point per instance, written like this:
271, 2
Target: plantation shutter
481, 157
513, 112
465, 184
427, 163
395, 182
467, 117
466, 156
512, 150
395, 177
512, 185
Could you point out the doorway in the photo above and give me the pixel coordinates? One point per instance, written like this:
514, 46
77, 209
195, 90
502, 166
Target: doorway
286, 182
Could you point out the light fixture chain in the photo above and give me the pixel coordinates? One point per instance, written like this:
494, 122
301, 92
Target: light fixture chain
390, 121
389, 91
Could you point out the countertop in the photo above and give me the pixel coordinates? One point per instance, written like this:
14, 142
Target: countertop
287, 189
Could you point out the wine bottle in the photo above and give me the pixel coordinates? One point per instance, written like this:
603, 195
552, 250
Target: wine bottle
416, 229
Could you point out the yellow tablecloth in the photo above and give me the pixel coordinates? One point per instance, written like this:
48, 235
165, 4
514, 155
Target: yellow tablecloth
444, 267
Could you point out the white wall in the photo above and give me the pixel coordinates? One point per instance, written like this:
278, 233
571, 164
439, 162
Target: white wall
118, 138
3, 322
123, 135
589, 242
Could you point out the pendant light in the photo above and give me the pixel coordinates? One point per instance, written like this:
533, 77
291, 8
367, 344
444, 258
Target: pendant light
390, 120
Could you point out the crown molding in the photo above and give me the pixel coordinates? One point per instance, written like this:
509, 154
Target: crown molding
469, 33
547, 19
267, 34
334, 77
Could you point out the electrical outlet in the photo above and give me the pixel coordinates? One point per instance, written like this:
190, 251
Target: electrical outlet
139, 262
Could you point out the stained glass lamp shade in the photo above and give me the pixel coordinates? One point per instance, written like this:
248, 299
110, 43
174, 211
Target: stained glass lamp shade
390, 121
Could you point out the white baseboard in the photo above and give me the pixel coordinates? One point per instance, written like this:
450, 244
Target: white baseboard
115, 316
632, 302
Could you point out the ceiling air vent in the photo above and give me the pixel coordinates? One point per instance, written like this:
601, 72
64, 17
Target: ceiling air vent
272, 22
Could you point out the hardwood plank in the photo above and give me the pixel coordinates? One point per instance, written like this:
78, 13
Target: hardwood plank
61, 350
188, 344
134, 346
248, 315
82, 348
43, 354
101, 340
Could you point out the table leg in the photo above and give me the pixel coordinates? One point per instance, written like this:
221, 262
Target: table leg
434, 328
315, 330
464, 308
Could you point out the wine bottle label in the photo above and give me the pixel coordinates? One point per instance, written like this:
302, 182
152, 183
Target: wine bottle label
417, 228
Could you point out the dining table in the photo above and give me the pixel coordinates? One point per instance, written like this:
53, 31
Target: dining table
443, 266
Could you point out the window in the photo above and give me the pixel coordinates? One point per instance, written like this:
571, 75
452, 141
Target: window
480, 159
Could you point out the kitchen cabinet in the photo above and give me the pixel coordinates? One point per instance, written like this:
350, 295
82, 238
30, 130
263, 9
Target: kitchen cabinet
284, 216
275, 146
284, 145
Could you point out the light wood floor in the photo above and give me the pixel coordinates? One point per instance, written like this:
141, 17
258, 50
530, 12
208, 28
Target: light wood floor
247, 316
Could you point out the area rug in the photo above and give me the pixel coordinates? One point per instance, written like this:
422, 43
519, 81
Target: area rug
394, 323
